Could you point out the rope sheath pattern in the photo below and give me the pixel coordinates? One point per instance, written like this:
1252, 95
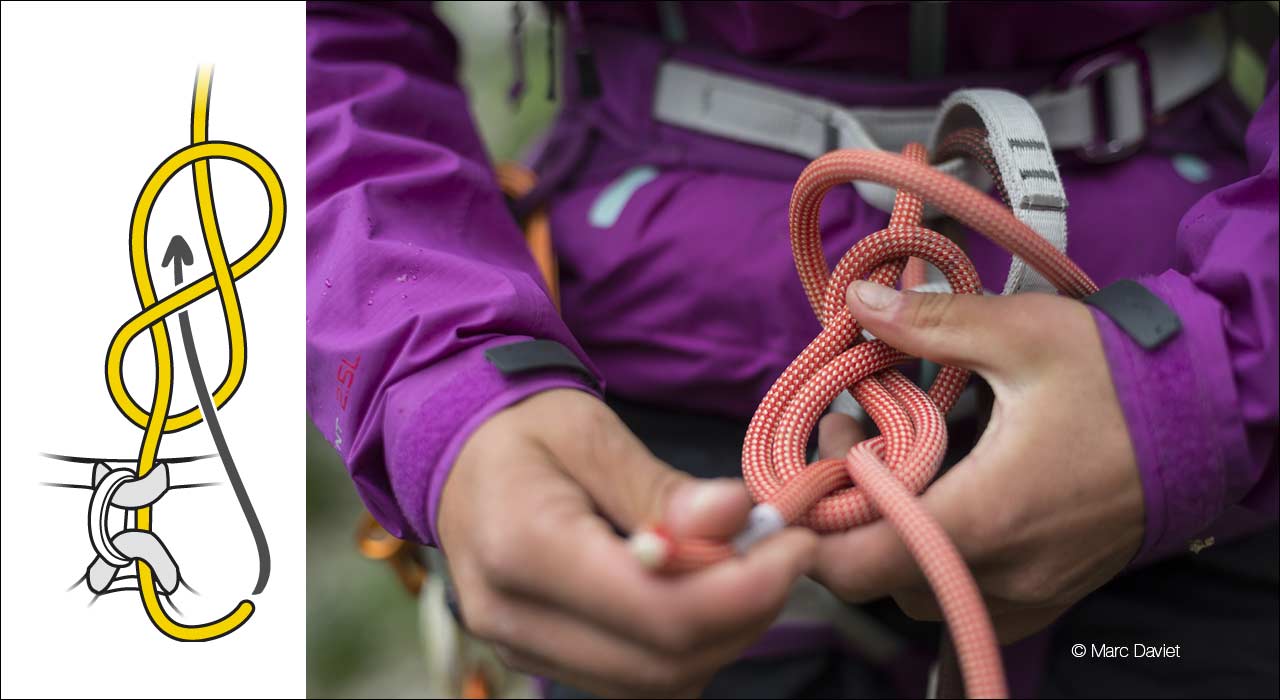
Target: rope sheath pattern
888, 469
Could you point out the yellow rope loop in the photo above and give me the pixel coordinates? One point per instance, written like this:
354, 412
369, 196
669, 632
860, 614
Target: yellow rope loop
154, 311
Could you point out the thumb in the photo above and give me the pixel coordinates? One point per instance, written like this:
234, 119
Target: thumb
713, 508
965, 330
634, 489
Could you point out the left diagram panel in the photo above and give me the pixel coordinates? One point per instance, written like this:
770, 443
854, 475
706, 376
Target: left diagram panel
153, 321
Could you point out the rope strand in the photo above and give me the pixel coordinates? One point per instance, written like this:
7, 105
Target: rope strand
880, 476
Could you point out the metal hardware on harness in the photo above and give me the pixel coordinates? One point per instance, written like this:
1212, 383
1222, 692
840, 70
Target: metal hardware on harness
1135, 82
1121, 80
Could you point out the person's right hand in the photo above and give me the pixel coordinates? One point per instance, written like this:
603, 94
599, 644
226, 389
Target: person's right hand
525, 522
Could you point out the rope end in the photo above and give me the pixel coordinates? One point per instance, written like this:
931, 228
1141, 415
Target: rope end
650, 548
764, 520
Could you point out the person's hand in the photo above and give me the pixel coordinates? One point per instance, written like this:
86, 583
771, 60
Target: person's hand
1048, 506
526, 522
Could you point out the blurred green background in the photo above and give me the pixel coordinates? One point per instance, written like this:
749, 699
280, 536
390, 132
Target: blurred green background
362, 627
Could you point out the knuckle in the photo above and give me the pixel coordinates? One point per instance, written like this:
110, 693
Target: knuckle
840, 586
596, 421
838, 576
479, 612
492, 618
502, 555
928, 310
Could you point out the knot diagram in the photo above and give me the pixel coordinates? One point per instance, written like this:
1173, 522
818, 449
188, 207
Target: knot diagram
136, 553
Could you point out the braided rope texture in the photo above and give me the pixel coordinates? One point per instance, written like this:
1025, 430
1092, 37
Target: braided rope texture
889, 469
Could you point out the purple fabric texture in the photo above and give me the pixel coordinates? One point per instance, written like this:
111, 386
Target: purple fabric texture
690, 299
414, 266
1202, 410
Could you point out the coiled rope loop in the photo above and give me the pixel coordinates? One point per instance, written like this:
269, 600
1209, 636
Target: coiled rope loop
880, 476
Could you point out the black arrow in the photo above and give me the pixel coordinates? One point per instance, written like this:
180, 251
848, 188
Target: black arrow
179, 253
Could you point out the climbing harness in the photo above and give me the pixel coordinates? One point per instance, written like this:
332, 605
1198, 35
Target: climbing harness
375, 543
879, 476
136, 490
1101, 107
516, 181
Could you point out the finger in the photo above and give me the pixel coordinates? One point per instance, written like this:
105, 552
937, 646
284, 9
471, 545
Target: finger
838, 432
674, 613
715, 509
872, 561
624, 480
548, 542
634, 489
868, 563
983, 333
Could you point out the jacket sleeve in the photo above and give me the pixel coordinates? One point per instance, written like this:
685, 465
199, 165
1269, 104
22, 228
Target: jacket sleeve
1203, 409
414, 264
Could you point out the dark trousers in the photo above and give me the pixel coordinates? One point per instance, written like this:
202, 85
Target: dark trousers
1220, 607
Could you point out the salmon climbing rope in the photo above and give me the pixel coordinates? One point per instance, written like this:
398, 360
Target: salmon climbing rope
880, 476
157, 421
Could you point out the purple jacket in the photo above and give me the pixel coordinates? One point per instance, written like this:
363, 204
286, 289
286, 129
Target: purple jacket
690, 298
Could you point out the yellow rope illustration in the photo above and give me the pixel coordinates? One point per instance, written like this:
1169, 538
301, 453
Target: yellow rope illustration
156, 422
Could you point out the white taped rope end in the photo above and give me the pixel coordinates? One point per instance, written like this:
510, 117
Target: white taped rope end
763, 521
649, 548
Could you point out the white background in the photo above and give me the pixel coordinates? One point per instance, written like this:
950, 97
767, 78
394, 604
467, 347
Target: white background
94, 98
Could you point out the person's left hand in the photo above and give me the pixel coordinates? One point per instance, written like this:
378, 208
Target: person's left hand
1048, 506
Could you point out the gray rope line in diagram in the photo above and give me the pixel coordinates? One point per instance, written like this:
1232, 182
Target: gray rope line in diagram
179, 253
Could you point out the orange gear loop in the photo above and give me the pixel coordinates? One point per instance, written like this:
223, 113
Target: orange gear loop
889, 469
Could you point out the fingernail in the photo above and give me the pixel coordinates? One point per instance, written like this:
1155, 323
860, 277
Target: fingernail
701, 496
872, 295
706, 494
685, 503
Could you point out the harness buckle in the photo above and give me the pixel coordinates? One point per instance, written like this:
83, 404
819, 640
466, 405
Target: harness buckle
1120, 125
